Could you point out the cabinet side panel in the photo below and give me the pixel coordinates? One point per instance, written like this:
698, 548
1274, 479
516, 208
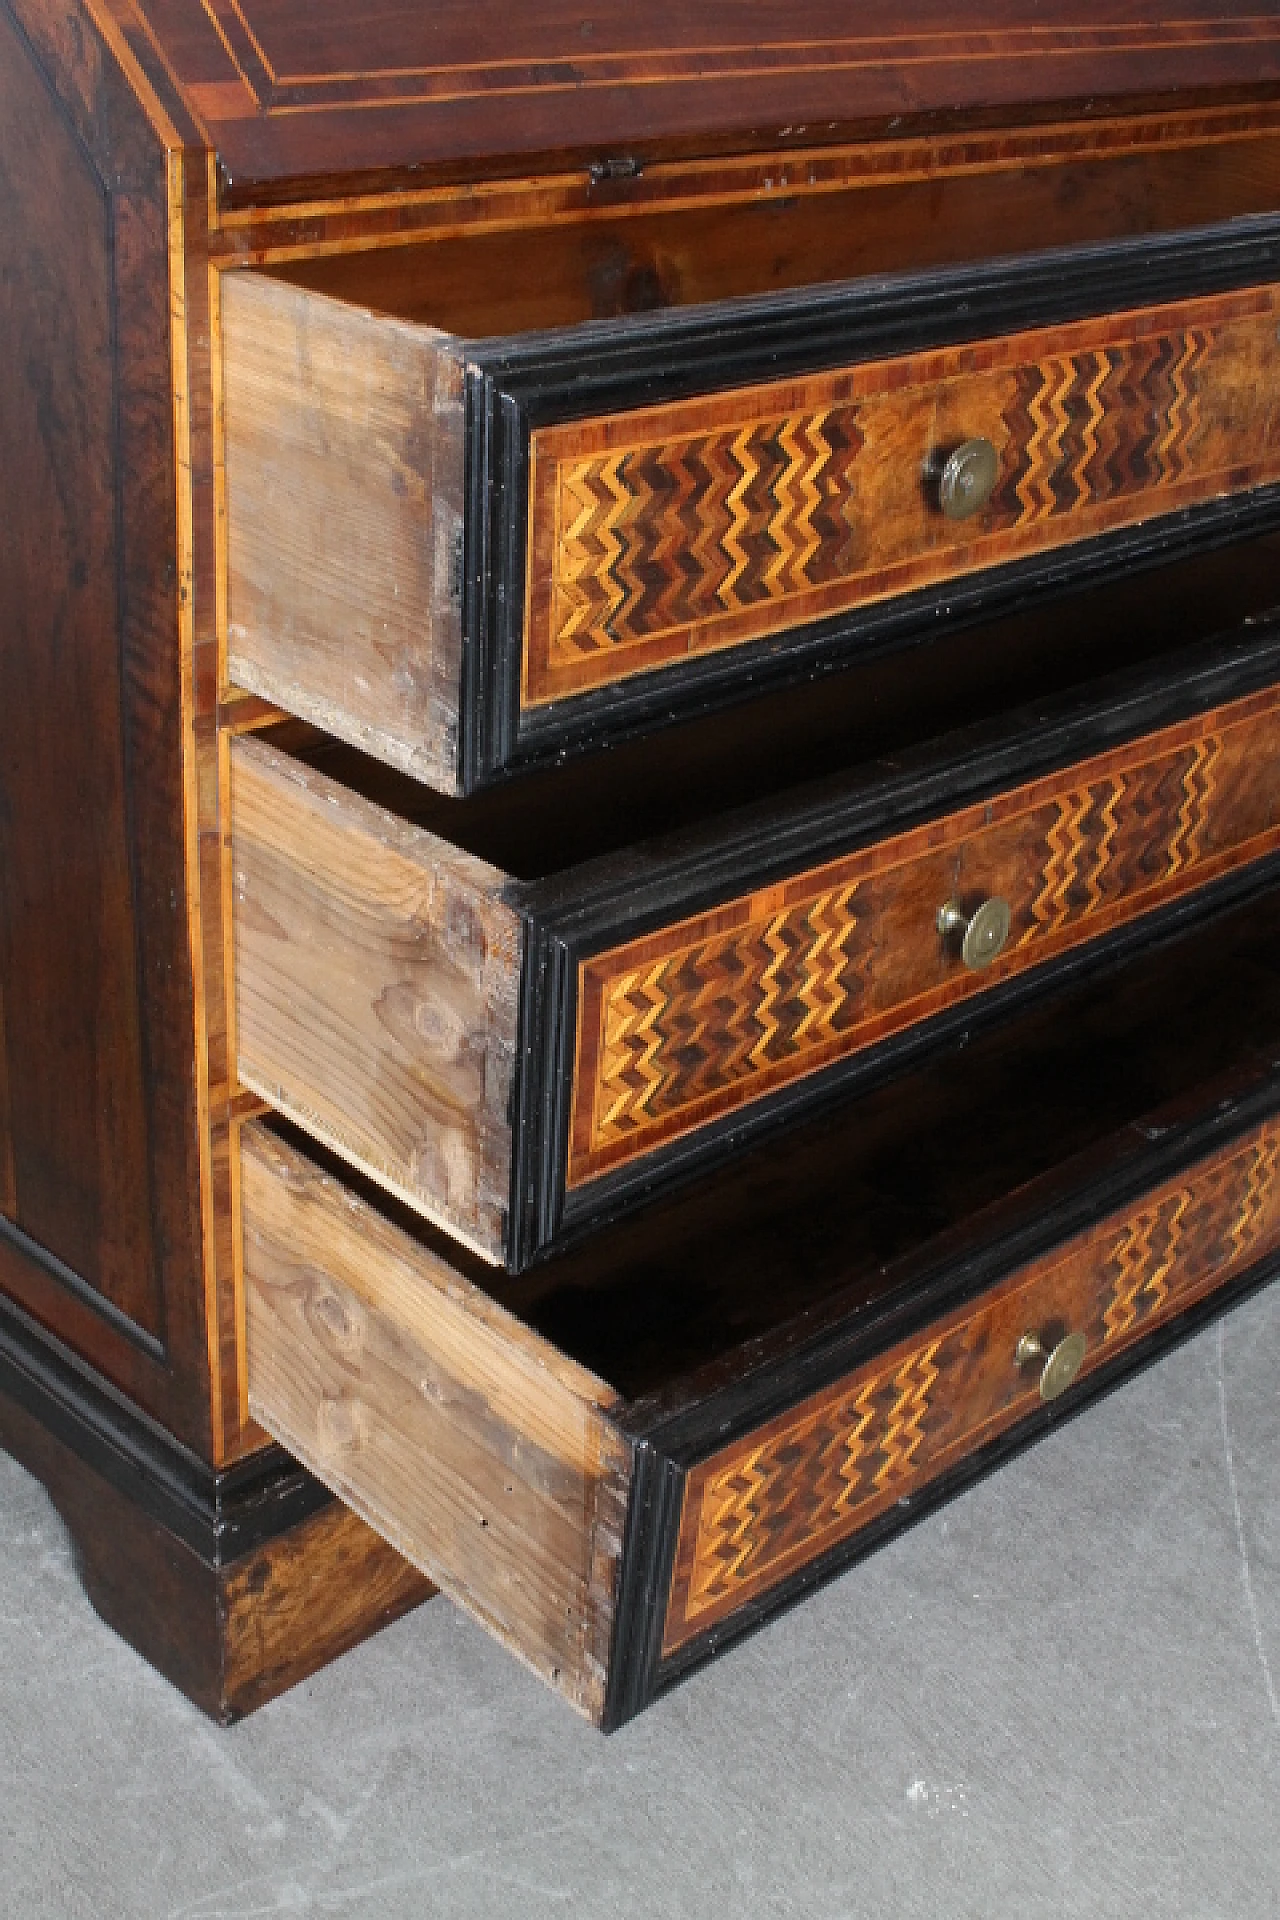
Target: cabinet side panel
98, 1114
72, 1038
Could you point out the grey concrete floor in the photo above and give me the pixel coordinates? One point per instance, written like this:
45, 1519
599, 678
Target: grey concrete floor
1058, 1697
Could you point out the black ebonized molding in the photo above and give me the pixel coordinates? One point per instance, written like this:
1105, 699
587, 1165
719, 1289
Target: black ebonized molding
531, 380
667, 1446
600, 905
957, 1480
220, 1516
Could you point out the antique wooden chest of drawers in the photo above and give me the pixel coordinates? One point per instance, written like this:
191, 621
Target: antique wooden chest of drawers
639, 816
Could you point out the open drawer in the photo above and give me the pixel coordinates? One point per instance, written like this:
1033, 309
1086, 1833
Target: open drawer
466, 556
623, 1459
523, 1019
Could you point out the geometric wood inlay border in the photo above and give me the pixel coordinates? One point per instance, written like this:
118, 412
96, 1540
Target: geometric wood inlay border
774, 1501
708, 1014
669, 532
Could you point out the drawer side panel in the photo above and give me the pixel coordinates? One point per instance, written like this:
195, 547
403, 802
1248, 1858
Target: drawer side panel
377, 978
343, 438
480, 1453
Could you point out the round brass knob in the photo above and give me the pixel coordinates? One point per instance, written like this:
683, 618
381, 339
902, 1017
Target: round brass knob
1059, 1362
982, 934
968, 479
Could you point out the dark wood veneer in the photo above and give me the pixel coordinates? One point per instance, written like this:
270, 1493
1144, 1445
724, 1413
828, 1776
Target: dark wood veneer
141, 142
234, 1584
321, 97
101, 1153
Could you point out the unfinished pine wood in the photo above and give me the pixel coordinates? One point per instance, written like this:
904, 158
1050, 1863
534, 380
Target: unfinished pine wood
377, 974
343, 436
477, 1449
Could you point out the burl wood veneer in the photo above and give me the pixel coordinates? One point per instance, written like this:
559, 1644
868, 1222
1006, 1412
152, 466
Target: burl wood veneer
152, 151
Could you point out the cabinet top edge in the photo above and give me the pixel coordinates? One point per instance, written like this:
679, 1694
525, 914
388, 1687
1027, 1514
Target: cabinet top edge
303, 104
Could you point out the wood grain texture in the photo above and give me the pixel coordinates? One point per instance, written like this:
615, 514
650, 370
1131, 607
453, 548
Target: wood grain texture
343, 452
700, 1018
472, 87
480, 1452
684, 529
235, 1586
94, 934
300, 1602
757, 1511
551, 249
377, 976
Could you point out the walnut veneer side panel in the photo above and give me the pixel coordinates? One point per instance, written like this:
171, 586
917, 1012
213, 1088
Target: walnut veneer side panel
682, 1026
343, 447
377, 985
685, 529
99, 1108
778, 1499
481, 1453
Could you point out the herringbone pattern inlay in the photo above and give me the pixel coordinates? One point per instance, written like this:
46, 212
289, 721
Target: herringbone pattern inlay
776, 1501
866, 1441
683, 1026
717, 1012
700, 524
656, 537
1131, 830
1093, 426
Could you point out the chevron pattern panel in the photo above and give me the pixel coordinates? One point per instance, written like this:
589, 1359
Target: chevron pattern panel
681, 529
691, 1023
1094, 426
779, 1498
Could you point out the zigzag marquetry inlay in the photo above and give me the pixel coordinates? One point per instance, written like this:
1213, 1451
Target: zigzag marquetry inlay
779, 1498
658, 537
685, 1025
680, 529
1089, 427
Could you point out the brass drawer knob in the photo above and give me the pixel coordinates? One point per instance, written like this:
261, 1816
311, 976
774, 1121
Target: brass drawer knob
1059, 1359
982, 934
968, 479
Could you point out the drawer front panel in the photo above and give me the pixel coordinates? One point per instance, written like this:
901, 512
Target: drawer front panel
670, 532
691, 1023
760, 1510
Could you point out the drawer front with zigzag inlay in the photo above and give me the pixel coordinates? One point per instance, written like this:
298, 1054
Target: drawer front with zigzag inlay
678, 531
470, 556
696, 1021
760, 1510
522, 1058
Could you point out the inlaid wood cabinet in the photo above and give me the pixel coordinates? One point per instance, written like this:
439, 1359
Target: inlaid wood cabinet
639, 815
